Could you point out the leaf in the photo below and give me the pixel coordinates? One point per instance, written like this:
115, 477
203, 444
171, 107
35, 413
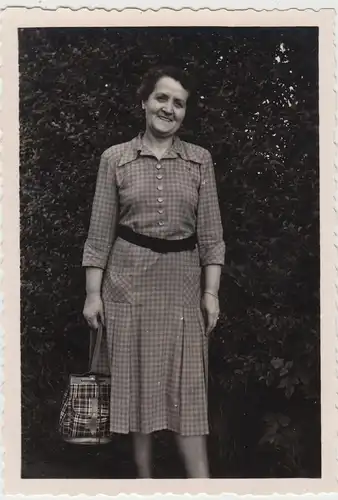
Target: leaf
277, 363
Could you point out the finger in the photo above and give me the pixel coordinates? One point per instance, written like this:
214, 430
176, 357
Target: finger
88, 316
212, 329
209, 324
88, 320
212, 323
101, 316
93, 323
209, 331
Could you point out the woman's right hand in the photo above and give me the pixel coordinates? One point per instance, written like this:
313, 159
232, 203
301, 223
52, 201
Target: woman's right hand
93, 310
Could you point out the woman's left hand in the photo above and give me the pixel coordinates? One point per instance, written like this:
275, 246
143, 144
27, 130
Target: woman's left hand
210, 309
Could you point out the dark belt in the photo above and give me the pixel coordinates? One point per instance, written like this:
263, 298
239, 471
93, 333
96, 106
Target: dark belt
159, 245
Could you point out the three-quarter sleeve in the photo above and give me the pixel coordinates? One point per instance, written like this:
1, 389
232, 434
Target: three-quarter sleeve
103, 219
209, 225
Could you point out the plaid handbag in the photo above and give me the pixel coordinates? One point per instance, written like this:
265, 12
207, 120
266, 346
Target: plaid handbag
84, 416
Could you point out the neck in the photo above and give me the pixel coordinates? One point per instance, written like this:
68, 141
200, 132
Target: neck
159, 145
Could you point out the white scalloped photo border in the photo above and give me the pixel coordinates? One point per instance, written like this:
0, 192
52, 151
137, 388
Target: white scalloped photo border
257, 5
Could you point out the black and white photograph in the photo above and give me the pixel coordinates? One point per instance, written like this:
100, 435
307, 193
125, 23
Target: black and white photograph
170, 252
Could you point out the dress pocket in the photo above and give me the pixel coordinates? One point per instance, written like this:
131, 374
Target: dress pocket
192, 287
118, 285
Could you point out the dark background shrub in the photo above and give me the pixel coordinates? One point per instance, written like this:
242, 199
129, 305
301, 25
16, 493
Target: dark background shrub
257, 113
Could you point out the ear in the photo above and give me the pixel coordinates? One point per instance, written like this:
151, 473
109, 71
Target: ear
143, 105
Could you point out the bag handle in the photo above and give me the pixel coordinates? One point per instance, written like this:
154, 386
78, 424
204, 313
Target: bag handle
95, 352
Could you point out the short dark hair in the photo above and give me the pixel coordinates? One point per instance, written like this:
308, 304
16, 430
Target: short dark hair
156, 73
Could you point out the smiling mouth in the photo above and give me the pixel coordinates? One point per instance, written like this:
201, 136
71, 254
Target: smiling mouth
165, 119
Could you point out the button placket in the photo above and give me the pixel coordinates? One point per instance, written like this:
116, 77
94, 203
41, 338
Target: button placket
160, 199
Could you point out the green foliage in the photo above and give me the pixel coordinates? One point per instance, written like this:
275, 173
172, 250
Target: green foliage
257, 113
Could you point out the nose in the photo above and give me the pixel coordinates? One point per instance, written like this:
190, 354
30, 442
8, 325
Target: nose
168, 107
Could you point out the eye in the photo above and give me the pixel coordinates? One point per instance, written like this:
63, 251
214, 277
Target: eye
179, 104
161, 98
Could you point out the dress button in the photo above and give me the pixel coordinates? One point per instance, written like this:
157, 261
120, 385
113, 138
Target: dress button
159, 176
160, 210
158, 166
160, 188
160, 222
160, 200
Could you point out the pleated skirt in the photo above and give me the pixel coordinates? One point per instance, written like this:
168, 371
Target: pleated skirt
155, 344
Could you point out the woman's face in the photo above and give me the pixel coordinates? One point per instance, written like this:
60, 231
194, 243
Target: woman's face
165, 107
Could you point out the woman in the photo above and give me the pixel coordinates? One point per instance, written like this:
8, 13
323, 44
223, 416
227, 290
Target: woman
155, 231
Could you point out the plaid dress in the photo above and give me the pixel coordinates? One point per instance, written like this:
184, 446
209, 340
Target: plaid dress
155, 346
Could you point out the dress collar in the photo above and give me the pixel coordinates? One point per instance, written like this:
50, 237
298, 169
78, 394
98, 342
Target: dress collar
136, 147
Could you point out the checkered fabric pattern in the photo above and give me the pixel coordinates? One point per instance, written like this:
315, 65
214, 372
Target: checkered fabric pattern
85, 409
155, 345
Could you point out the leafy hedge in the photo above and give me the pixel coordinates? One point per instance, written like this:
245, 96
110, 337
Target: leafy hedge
258, 115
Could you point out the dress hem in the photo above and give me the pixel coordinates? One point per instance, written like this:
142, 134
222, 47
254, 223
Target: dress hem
161, 428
